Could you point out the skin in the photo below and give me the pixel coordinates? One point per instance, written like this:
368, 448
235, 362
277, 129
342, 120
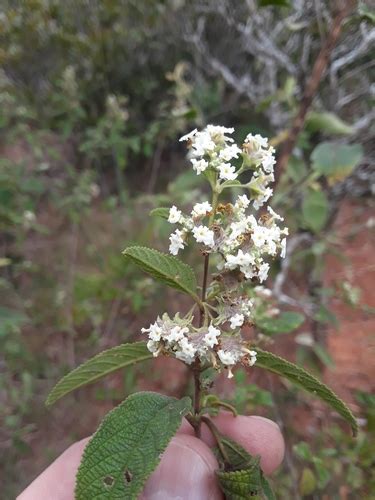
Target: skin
186, 470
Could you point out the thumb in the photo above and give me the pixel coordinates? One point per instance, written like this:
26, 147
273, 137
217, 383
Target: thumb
185, 471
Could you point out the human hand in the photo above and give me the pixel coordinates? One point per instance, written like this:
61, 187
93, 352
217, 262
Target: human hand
186, 470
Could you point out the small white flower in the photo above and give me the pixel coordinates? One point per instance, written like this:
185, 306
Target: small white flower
153, 347
263, 271
177, 242
274, 214
174, 215
238, 228
252, 356
259, 236
218, 133
256, 141
199, 165
261, 200
268, 162
226, 357
188, 136
154, 331
227, 172
242, 202
201, 209
236, 321
241, 259
177, 334
229, 152
210, 339
187, 351
202, 144
283, 248
203, 234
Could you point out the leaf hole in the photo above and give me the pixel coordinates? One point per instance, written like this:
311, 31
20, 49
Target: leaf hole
108, 481
128, 476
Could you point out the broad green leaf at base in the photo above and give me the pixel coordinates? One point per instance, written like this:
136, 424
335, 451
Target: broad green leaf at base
128, 446
302, 378
99, 366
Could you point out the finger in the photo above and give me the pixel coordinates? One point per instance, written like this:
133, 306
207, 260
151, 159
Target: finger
186, 471
258, 435
57, 482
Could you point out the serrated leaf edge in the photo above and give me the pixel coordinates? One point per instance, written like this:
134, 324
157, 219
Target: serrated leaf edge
52, 400
112, 411
345, 411
170, 257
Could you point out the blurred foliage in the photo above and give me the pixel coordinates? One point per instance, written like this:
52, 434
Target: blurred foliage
93, 96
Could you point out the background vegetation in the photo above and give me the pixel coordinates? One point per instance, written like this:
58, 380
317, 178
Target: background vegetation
93, 97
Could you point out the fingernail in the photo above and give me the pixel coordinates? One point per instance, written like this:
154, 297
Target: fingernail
264, 419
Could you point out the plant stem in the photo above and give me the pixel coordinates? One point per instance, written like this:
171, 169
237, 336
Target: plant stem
197, 398
216, 434
197, 365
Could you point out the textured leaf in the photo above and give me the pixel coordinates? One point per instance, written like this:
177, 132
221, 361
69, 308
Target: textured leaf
160, 212
315, 210
300, 377
336, 161
97, 367
266, 487
128, 445
164, 268
286, 322
327, 122
241, 484
237, 459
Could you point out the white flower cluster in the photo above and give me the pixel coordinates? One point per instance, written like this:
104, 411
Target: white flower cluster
235, 311
243, 241
208, 344
213, 148
245, 244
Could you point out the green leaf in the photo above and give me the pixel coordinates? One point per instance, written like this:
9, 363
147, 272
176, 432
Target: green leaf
164, 268
99, 366
160, 212
336, 161
128, 446
266, 487
367, 13
238, 457
274, 3
327, 122
315, 210
300, 377
308, 483
241, 484
286, 322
